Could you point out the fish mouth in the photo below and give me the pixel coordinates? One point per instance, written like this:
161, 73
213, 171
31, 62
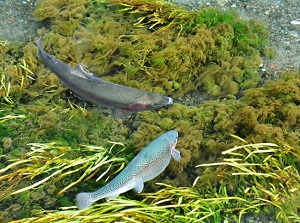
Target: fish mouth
170, 101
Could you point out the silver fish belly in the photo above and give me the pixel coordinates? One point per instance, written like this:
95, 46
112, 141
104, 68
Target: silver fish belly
91, 88
145, 166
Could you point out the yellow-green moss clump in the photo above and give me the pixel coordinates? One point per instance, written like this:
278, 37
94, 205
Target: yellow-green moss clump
156, 46
267, 114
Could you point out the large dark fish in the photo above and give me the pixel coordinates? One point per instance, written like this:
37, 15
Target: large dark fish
91, 88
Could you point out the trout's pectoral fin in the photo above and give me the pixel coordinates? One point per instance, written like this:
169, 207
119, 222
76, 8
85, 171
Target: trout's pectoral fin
175, 154
139, 188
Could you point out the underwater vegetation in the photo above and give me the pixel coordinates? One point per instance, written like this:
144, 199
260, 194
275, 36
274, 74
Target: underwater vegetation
239, 156
48, 164
260, 188
266, 114
154, 45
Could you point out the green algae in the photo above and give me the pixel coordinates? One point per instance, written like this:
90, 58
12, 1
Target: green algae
266, 114
47, 165
151, 50
155, 46
260, 188
216, 55
204, 135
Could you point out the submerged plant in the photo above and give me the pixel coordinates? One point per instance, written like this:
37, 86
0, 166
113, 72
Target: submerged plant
159, 47
265, 174
10, 117
155, 45
52, 166
5, 90
255, 164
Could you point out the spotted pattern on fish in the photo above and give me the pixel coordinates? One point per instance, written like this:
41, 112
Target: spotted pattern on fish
145, 166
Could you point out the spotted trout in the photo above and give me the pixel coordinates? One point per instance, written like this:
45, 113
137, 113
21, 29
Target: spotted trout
87, 86
145, 166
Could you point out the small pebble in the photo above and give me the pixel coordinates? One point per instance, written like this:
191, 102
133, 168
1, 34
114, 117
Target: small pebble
295, 22
293, 33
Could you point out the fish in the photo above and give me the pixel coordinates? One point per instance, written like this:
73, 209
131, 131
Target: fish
123, 99
145, 166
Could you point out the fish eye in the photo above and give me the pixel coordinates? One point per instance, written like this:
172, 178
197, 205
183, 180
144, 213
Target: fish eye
170, 102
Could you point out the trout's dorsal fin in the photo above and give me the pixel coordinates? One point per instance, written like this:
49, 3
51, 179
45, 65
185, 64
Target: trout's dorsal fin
80, 69
88, 75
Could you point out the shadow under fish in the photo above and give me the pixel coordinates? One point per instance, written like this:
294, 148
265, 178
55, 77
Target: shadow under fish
123, 99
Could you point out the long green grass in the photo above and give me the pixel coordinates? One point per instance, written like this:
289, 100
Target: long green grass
49, 163
263, 181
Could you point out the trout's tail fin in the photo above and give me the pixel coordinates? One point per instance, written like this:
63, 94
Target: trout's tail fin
84, 200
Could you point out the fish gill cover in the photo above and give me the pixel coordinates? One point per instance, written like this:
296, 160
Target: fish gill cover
46, 133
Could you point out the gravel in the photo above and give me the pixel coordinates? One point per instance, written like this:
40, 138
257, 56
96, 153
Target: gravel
282, 18
16, 20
